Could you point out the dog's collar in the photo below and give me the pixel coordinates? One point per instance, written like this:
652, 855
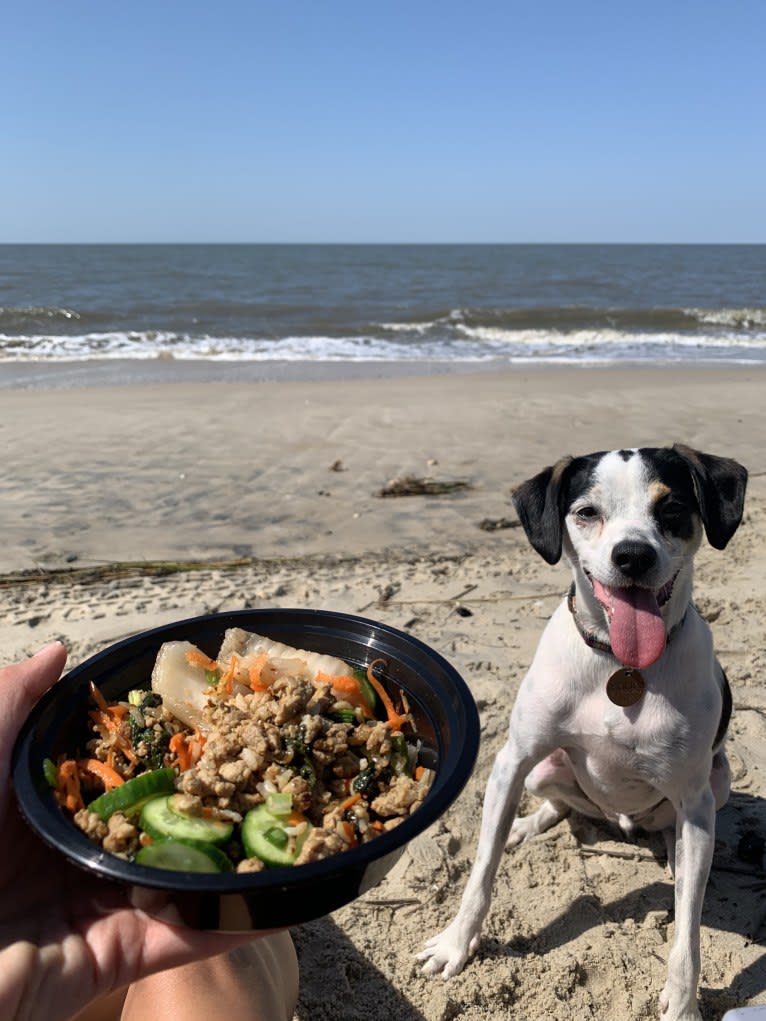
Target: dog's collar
591, 639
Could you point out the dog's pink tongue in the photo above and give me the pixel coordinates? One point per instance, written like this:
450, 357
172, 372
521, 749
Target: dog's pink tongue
636, 628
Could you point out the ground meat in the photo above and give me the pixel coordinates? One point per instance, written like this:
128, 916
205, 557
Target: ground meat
378, 740
122, 835
312, 727
334, 743
301, 792
321, 700
321, 843
238, 772
398, 799
91, 824
256, 743
251, 865
295, 698
188, 803
205, 782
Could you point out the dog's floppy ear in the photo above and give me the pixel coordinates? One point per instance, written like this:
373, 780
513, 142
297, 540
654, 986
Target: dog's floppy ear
719, 485
540, 504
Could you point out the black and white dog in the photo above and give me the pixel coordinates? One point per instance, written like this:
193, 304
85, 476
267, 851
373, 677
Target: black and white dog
623, 712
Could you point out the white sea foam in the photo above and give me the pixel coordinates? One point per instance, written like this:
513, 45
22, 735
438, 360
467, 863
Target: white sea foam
409, 342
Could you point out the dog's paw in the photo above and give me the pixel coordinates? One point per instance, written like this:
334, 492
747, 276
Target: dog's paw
446, 953
524, 828
676, 1011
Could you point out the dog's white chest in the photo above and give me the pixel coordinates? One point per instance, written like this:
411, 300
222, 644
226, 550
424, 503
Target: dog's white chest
622, 757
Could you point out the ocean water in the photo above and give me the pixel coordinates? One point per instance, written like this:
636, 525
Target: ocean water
453, 305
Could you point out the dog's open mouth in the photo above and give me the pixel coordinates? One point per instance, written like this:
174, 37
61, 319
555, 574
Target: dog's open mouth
636, 629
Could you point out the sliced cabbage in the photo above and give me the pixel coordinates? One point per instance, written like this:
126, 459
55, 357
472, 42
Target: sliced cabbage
248, 644
184, 686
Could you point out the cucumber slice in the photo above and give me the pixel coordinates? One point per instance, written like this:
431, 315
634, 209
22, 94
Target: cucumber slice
159, 819
184, 856
131, 796
260, 846
260, 840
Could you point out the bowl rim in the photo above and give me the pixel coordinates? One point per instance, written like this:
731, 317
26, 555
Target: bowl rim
48, 821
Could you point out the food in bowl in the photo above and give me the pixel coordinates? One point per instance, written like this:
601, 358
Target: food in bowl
264, 756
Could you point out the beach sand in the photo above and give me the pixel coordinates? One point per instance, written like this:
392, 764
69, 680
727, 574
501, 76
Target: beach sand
128, 507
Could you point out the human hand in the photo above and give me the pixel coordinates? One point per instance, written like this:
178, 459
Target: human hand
66, 939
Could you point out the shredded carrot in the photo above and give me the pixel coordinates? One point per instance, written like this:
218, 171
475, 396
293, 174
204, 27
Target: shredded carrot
419, 771
144, 839
195, 657
259, 682
115, 710
109, 777
180, 749
348, 829
340, 682
349, 802
108, 721
347, 686
98, 698
68, 786
109, 718
128, 752
395, 721
196, 744
226, 684
187, 748
377, 825
103, 720
295, 818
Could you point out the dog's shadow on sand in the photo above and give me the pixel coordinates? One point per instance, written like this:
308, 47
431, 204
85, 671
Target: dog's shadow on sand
340, 983
735, 900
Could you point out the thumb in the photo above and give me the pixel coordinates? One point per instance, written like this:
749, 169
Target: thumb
22, 684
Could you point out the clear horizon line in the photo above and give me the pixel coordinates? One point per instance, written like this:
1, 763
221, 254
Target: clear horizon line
393, 244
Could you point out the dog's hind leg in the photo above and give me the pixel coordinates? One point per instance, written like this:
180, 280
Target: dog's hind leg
554, 780
528, 826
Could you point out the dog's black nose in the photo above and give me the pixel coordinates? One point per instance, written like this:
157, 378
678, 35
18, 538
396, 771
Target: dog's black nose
633, 558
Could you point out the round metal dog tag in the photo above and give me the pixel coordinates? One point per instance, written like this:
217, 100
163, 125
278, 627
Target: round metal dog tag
625, 687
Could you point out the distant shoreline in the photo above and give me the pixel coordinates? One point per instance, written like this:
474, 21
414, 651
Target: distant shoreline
65, 375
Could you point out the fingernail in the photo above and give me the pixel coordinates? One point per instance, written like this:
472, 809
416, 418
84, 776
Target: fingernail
46, 648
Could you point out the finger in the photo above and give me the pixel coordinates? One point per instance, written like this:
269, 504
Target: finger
22, 684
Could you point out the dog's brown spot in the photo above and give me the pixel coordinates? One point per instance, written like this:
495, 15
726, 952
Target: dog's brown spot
656, 491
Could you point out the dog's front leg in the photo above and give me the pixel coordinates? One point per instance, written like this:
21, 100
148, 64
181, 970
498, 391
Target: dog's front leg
447, 952
695, 837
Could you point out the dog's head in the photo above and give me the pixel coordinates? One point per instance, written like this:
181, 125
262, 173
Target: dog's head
629, 522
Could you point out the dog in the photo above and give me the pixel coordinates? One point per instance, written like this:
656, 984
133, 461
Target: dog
623, 712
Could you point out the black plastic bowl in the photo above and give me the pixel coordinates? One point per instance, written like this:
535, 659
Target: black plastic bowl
446, 720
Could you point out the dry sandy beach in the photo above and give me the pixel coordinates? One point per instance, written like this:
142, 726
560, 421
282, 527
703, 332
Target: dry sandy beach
268, 494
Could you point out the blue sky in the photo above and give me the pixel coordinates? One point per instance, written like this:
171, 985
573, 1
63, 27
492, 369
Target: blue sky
401, 121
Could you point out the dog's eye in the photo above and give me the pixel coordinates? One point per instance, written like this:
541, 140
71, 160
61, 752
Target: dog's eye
672, 512
587, 513
673, 516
